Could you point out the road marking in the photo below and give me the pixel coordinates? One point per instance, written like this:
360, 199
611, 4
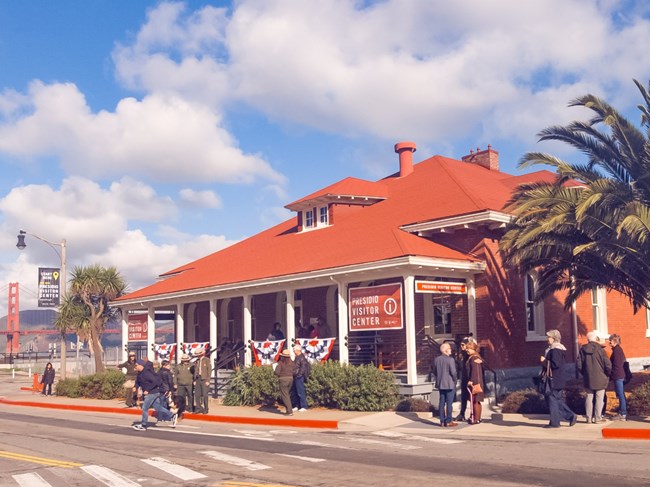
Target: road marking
234, 483
256, 433
394, 434
318, 443
30, 480
180, 432
380, 442
306, 459
41, 461
174, 469
107, 477
239, 462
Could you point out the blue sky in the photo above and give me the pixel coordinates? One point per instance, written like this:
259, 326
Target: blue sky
148, 134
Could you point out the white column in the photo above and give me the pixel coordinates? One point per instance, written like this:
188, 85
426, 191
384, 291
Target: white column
180, 330
214, 339
343, 330
151, 331
125, 333
471, 306
248, 329
290, 317
409, 324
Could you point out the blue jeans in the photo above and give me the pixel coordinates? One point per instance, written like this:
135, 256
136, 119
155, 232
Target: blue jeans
299, 393
557, 408
619, 387
152, 400
445, 405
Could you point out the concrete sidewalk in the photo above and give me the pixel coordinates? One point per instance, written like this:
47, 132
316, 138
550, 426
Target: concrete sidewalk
495, 424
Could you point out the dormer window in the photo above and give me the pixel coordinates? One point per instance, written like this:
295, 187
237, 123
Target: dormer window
323, 215
309, 218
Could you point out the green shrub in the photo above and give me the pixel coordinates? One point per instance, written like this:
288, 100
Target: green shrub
414, 405
330, 385
526, 401
639, 400
252, 386
68, 387
105, 385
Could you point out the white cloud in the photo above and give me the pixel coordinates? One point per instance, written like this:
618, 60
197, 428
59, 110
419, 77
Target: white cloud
201, 199
164, 138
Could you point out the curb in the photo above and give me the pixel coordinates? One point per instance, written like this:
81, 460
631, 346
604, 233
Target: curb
296, 423
626, 433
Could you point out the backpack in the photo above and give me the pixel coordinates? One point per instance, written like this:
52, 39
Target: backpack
628, 372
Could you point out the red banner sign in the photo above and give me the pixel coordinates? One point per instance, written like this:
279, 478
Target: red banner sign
138, 328
440, 287
376, 307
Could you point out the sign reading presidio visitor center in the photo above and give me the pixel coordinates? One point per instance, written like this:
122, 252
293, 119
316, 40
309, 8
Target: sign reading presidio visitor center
376, 307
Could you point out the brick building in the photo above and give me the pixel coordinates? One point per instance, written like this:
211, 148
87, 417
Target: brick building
394, 267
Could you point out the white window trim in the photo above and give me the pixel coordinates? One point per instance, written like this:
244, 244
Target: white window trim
539, 333
429, 318
599, 311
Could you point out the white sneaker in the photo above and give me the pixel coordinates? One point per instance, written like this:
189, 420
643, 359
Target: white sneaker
174, 420
302, 410
139, 427
295, 409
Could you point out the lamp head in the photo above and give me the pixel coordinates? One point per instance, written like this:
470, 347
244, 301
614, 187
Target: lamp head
21, 240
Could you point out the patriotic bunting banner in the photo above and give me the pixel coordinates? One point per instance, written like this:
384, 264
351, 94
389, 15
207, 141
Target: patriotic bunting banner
194, 349
267, 352
316, 349
165, 351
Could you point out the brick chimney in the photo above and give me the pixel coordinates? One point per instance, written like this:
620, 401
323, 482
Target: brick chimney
489, 158
405, 151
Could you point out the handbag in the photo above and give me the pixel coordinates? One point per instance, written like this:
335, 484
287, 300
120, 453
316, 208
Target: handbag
545, 385
476, 388
628, 372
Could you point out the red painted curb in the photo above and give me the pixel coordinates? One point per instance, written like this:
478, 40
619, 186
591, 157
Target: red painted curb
296, 423
626, 433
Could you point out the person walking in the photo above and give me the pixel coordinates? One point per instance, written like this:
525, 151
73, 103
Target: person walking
130, 392
166, 379
446, 376
150, 384
595, 367
284, 371
618, 375
553, 360
48, 379
184, 375
475, 381
300, 376
202, 377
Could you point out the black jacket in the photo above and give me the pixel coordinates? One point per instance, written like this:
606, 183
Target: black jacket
302, 367
594, 365
48, 376
556, 357
166, 380
148, 380
617, 359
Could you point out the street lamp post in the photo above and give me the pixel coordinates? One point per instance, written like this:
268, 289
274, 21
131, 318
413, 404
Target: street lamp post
21, 245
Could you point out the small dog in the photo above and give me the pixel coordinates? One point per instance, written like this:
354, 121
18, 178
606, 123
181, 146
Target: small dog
176, 404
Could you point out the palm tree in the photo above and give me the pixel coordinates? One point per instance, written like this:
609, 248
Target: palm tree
591, 226
85, 308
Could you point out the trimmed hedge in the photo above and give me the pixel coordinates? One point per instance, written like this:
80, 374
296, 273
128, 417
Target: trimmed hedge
330, 385
105, 385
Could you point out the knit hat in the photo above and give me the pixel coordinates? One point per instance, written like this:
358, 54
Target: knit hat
555, 335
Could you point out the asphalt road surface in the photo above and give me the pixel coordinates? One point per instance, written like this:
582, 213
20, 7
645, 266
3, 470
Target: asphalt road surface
43, 447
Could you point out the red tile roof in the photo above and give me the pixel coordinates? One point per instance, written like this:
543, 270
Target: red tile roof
439, 187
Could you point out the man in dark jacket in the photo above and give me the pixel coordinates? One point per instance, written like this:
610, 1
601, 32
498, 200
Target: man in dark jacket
300, 375
446, 376
553, 360
150, 384
595, 367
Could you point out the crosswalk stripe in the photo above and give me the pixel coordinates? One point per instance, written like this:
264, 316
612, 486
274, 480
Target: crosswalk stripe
239, 462
174, 469
108, 477
394, 434
30, 480
326, 445
383, 443
306, 459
